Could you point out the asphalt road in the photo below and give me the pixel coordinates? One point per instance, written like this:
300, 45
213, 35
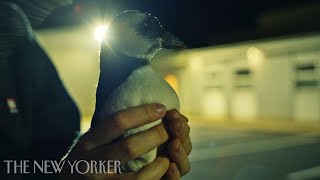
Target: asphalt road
233, 154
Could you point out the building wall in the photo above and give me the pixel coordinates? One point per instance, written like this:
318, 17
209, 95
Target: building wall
74, 52
252, 80
246, 81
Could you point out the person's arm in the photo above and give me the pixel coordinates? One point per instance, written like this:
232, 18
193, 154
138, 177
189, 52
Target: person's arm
14, 32
15, 29
50, 117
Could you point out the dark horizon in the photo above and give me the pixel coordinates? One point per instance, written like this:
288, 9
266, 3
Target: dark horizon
205, 23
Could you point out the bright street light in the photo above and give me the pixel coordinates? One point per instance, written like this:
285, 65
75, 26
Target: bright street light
100, 32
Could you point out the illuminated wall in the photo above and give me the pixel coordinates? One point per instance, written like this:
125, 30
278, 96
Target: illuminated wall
74, 52
272, 79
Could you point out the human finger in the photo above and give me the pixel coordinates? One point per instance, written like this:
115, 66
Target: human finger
111, 128
173, 172
177, 124
187, 145
135, 145
154, 170
179, 156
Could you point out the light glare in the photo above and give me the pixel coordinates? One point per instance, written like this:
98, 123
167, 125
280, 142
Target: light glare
173, 81
100, 32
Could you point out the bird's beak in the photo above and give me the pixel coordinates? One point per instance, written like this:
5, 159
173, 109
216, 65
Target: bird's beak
170, 41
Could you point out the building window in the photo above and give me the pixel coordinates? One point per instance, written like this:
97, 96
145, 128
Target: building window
243, 78
306, 76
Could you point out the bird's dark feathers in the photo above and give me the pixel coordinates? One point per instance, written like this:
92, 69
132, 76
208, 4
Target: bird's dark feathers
114, 69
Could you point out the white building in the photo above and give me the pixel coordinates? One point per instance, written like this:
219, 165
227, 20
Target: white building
272, 79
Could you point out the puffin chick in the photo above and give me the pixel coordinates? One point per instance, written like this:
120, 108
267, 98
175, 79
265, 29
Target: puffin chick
126, 77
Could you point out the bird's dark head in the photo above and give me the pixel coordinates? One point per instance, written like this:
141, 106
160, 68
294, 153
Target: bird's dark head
137, 34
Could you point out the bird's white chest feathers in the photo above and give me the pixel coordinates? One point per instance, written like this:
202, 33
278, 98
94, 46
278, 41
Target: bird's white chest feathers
143, 86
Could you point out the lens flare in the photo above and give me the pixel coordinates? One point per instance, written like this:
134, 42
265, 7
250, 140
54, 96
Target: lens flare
100, 32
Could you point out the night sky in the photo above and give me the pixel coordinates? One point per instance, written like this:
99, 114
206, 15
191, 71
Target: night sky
202, 22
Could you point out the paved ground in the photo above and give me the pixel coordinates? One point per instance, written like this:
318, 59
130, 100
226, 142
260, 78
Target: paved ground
227, 153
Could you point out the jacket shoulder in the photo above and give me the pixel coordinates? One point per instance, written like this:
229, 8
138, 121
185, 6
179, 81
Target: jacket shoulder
15, 28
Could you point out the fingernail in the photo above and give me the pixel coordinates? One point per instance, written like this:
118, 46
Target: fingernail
176, 115
178, 148
160, 108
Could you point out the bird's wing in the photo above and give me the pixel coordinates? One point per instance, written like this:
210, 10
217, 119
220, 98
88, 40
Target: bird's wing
114, 70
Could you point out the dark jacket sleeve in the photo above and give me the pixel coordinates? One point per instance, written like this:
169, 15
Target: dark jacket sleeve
47, 111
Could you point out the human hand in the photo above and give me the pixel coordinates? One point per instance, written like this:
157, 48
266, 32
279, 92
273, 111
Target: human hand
179, 146
98, 144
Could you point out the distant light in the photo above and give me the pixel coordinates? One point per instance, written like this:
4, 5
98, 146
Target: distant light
100, 32
255, 56
173, 81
